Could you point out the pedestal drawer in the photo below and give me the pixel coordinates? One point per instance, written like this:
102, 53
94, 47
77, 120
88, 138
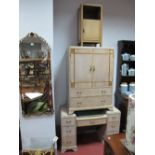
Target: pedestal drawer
69, 121
91, 121
68, 131
90, 102
112, 132
112, 128
113, 117
90, 92
113, 125
68, 141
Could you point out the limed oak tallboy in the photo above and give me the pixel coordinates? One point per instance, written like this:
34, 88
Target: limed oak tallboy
90, 78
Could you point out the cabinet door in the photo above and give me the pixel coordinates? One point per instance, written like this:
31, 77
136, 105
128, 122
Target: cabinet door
101, 71
91, 30
80, 68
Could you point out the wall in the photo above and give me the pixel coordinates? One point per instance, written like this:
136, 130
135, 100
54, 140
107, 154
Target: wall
37, 16
118, 24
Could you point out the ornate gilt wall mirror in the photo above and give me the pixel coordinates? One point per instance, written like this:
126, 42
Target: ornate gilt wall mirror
35, 75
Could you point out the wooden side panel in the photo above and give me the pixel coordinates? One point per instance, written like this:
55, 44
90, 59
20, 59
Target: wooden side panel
81, 24
71, 66
111, 65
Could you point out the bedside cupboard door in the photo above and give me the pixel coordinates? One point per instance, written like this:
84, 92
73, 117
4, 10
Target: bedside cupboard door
91, 30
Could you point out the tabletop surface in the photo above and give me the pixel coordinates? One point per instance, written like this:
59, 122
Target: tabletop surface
116, 145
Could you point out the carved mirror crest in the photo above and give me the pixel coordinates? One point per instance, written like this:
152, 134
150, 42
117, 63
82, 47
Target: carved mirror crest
35, 75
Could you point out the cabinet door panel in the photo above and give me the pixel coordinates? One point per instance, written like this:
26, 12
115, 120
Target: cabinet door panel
101, 70
80, 68
91, 30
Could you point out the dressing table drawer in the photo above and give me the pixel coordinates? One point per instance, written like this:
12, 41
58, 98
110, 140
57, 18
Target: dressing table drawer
68, 131
89, 121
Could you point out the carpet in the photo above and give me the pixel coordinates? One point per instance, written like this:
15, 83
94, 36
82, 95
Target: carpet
88, 144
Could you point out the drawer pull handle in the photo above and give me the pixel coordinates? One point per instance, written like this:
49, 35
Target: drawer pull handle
103, 91
68, 142
102, 101
79, 92
69, 131
113, 126
92, 122
68, 121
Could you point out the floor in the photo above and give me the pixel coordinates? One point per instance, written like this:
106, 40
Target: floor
88, 144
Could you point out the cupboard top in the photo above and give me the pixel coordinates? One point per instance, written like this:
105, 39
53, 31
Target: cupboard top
95, 5
81, 47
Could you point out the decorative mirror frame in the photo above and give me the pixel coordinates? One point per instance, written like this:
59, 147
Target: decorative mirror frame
35, 81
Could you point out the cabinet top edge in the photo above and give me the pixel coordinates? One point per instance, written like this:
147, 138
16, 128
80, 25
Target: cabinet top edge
83, 47
92, 4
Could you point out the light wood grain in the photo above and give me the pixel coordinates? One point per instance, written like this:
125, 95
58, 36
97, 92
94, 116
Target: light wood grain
90, 29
